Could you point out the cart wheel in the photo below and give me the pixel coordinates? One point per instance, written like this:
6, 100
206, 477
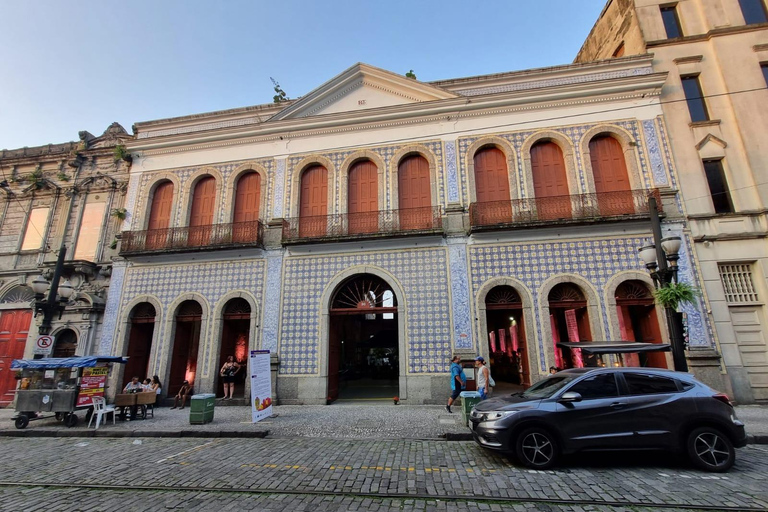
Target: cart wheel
21, 421
70, 420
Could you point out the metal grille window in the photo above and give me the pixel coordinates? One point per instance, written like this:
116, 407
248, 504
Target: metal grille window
737, 283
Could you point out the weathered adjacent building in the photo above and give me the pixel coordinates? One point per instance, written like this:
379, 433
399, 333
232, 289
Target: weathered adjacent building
715, 103
61, 195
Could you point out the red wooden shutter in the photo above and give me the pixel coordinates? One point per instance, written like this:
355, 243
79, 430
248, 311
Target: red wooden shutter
160, 215
363, 198
247, 203
492, 186
201, 214
550, 183
414, 193
313, 202
611, 178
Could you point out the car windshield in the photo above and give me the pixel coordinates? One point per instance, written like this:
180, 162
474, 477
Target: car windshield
549, 386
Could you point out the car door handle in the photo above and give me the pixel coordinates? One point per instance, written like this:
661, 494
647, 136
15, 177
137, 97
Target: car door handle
618, 405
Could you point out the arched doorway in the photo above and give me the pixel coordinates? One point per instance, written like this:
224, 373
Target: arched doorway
363, 198
65, 344
569, 317
506, 339
363, 358
247, 204
611, 178
160, 215
550, 182
313, 202
639, 322
492, 186
14, 329
142, 325
414, 192
235, 332
201, 212
186, 341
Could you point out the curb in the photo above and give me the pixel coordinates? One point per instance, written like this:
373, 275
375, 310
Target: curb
757, 439
205, 434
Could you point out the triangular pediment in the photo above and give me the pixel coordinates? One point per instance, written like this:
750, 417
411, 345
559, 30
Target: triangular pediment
363, 87
711, 147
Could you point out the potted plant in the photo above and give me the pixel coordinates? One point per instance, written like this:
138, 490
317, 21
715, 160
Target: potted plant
674, 294
396, 400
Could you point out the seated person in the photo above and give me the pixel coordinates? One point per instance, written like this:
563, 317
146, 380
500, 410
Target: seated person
134, 386
183, 394
146, 385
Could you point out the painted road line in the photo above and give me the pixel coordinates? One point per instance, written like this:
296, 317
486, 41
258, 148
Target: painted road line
190, 450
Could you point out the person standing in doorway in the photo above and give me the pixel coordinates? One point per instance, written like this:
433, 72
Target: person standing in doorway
483, 378
458, 381
228, 372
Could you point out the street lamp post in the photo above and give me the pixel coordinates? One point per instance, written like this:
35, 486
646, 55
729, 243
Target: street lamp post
660, 259
51, 305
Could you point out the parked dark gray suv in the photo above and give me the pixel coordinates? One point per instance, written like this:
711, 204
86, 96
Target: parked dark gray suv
612, 409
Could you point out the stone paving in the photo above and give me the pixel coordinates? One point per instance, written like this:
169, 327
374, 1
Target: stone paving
311, 473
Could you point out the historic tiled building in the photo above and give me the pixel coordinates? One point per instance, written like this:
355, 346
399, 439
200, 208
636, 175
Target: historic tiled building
715, 104
371, 229
60, 195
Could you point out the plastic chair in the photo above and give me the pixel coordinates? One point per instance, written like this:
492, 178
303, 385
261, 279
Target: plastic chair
100, 408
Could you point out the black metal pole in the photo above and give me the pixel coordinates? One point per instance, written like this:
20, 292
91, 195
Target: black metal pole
50, 306
665, 275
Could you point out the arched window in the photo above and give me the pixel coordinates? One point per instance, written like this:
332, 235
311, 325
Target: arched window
160, 215
313, 201
414, 193
363, 197
247, 204
65, 344
611, 178
550, 182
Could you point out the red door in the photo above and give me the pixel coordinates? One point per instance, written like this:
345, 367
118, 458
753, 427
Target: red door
550, 183
611, 178
492, 187
14, 327
334, 359
247, 201
363, 198
160, 216
313, 202
414, 193
201, 215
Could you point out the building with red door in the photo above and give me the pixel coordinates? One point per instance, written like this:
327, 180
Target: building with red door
715, 103
373, 228
69, 194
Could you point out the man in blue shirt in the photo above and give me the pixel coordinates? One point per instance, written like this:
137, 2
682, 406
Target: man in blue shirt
458, 381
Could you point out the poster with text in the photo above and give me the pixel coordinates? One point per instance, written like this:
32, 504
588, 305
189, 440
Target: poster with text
92, 384
261, 385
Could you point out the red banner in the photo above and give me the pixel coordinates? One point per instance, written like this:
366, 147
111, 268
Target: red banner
555, 341
503, 340
513, 338
492, 336
92, 384
573, 336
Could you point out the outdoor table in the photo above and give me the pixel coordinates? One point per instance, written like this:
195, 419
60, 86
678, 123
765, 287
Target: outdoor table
134, 401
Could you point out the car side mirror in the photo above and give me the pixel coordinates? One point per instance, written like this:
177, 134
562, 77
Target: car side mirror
570, 397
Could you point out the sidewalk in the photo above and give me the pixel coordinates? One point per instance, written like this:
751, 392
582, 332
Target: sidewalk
339, 421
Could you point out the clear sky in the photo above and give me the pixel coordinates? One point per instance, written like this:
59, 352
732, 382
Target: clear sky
67, 66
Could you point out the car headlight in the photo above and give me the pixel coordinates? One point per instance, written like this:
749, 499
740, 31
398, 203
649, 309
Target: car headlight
497, 415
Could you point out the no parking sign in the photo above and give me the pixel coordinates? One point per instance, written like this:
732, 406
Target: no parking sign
43, 345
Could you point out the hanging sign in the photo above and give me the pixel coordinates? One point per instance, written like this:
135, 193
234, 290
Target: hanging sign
261, 385
43, 345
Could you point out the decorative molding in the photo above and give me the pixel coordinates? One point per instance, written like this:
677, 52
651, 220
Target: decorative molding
688, 60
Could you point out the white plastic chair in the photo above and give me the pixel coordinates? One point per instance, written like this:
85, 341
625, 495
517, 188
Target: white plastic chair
100, 408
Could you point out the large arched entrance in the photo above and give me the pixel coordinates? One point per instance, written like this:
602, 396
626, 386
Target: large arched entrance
506, 339
363, 358
570, 323
639, 322
186, 341
65, 344
235, 332
142, 325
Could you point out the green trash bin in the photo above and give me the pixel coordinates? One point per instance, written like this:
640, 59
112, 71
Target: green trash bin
201, 408
469, 399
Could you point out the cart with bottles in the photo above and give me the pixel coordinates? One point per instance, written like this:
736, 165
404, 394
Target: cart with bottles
58, 387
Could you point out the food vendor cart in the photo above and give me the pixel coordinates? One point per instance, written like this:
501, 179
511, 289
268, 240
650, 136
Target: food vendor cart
59, 385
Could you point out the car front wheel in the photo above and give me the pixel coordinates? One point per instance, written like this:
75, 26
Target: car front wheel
536, 448
711, 450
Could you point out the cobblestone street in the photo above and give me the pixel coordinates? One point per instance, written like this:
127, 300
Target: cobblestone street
335, 475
